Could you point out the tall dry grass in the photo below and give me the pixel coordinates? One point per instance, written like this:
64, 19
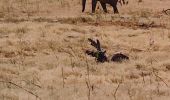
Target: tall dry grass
42, 45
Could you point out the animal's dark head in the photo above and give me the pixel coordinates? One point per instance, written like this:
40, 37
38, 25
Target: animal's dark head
100, 54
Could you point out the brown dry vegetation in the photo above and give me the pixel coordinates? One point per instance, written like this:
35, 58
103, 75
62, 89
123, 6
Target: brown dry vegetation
42, 44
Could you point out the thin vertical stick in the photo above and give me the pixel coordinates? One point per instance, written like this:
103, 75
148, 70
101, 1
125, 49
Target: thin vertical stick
88, 80
87, 69
89, 90
129, 93
63, 76
143, 77
116, 90
73, 65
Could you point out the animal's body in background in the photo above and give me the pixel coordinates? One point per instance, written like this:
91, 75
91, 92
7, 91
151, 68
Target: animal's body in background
103, 3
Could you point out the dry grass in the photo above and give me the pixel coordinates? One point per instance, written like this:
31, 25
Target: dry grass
42, 45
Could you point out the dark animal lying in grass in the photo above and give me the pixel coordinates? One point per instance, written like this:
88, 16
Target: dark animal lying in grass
119, 57
100, 54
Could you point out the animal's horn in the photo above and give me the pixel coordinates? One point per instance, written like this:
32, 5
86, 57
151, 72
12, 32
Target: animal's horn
98, 45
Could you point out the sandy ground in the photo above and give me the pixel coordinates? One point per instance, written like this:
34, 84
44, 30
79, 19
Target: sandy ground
43, 43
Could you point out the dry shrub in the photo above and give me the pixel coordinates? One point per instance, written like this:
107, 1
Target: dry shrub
76, 20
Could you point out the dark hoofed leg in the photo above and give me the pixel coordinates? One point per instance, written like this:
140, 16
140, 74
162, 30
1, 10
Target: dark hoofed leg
103, 6
94, 2
123, 2
120, 2
83, 5
115, 10
113, 3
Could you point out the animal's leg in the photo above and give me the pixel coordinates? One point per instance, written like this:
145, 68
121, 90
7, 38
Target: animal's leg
123, 2
115, 9
103, 6
83, 5
94, 2
113, 3
120, 2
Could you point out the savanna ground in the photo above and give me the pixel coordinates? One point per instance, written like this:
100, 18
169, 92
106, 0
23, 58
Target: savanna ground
42, 45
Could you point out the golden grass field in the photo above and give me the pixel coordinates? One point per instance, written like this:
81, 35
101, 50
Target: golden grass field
43, 43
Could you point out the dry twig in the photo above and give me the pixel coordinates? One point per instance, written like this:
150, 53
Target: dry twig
62, 70
30, 92
160, 78
88, 79
166, 11
116, 90
143, 77
89, 90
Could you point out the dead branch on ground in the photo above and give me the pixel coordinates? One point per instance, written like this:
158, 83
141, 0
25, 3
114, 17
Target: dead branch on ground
30, 92
62, 70
116, 91
156, 75
167, 11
